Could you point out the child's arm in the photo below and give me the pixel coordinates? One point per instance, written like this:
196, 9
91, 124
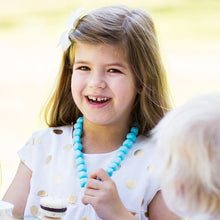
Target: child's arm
18, 191
158, 209
104, 198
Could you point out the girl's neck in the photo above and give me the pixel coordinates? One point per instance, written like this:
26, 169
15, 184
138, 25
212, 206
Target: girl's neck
102, 139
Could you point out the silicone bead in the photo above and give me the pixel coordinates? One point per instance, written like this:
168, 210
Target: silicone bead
82, 174
78, 153
79, 161
131, 136
80, 120
121, 155
77, 146
83, 181
77, 132
134, 130
81, 167
124, 149
117, 160
116, 165
128, 143
109, 171
113, 166
134, 124
76, 139
77, 126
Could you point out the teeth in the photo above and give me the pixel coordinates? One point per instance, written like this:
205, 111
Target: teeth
98, 99
93, 98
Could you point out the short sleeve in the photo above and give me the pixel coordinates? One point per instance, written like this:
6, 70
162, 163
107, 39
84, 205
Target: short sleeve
26, 152
154, 187
152, 169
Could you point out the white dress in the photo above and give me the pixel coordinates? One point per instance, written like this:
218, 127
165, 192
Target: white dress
49, 154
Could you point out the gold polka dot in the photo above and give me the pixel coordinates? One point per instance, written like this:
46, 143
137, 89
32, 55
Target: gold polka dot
48, 159
57, 131
119, 167
42, 193
58, 179
85, 218
68, 147
36, 141
133, 213
146, 214
131, 184
142, 202
34, 210
151, 168
139, 153
72, 199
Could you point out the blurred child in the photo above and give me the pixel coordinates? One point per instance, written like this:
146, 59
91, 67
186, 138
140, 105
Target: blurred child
189, 141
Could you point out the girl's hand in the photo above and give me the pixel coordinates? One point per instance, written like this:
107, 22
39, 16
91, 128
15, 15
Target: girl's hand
103, 197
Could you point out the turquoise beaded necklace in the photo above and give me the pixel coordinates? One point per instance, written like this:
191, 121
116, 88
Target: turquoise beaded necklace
114, 164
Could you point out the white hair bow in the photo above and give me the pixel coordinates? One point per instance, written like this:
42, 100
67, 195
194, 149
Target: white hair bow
71, 24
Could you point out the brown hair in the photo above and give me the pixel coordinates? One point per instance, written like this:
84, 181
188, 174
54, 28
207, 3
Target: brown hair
134, 32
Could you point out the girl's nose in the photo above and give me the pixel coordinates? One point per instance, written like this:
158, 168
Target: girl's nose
97, 80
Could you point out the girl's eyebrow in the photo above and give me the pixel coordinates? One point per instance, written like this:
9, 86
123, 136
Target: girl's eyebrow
78, 61
117, 64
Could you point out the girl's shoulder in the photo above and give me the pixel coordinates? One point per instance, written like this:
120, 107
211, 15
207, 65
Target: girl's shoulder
52, 133
146, 149
44, 143
55, 130
144, 142
48, 138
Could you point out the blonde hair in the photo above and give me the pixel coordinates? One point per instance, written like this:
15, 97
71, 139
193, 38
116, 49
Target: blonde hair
189, 141
134, 32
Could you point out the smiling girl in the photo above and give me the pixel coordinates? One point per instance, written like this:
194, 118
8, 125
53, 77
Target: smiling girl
96, 152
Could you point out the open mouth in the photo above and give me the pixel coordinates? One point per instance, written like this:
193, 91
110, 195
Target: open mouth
99, 100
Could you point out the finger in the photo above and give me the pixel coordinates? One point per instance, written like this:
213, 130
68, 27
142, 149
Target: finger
87, 199
94, 184
100, 174
90, 192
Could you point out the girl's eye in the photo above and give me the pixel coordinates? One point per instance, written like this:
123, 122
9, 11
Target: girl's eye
114, 71
83, 68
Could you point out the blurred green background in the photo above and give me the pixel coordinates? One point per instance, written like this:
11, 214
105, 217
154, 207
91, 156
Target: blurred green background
188, 32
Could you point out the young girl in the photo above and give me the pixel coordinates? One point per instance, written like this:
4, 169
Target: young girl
112, 87
189, 140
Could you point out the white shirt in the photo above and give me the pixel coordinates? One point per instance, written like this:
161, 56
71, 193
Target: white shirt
49, 154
